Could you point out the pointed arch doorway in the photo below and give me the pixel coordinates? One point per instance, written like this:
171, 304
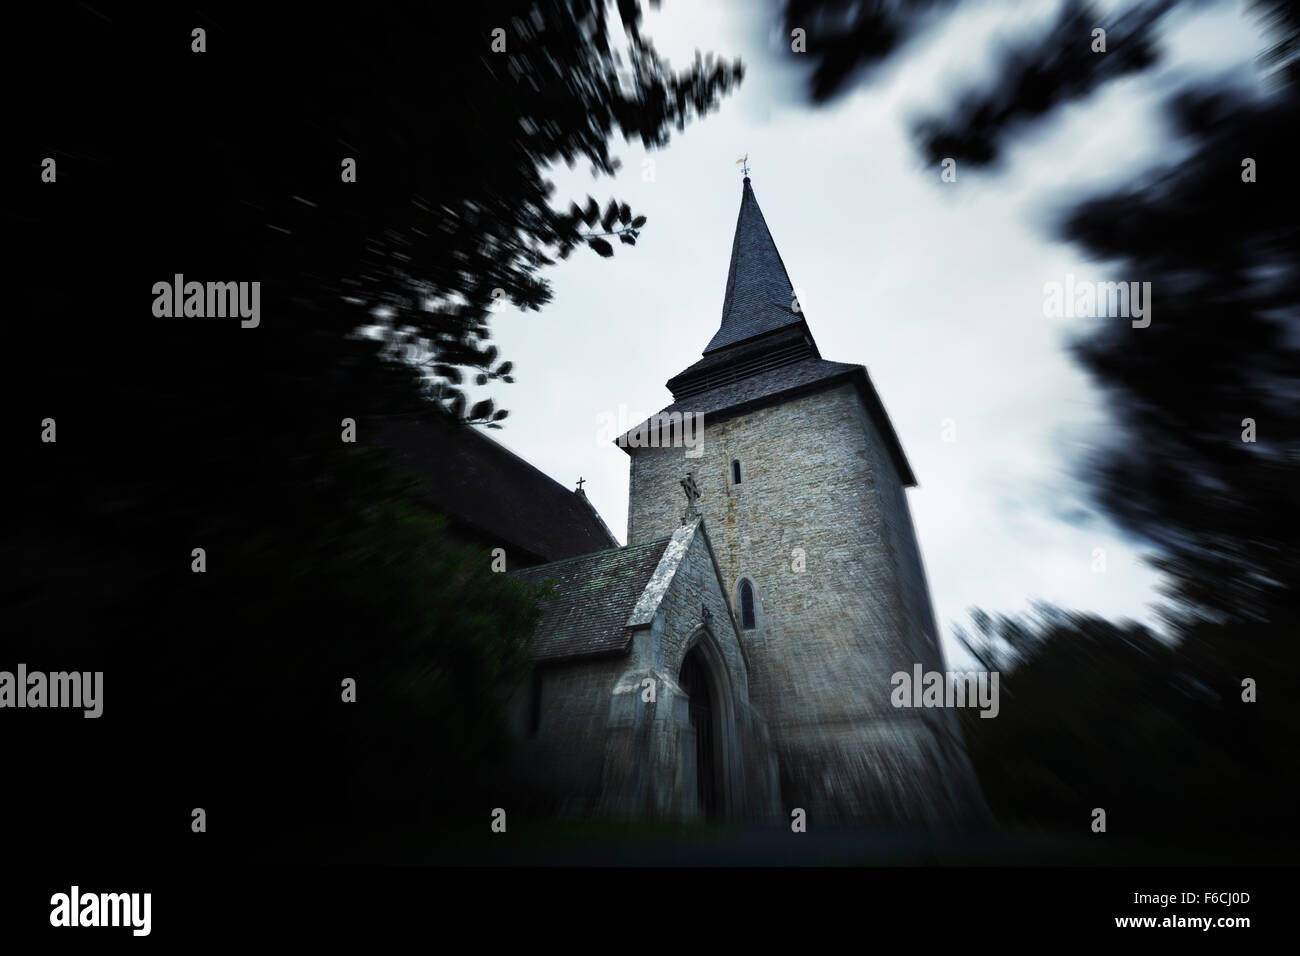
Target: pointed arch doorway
704, 717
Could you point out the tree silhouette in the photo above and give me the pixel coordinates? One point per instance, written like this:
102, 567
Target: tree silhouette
232, 164
1102, 713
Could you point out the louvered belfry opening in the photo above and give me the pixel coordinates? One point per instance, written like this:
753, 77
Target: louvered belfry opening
741, 367
694, 681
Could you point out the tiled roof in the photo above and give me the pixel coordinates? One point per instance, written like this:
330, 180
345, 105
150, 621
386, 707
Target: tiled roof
489, 489
759, 295
595, 595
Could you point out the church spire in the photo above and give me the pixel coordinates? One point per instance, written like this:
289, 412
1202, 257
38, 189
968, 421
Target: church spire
759, 295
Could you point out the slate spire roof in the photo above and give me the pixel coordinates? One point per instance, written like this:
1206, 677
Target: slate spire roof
764, 352
759, 296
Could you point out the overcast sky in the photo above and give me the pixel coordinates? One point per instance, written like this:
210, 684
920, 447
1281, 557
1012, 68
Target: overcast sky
936, 287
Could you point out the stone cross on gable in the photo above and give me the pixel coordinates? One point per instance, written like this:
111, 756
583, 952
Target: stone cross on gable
692, 496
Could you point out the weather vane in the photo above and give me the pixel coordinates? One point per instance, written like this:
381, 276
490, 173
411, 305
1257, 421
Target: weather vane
745, 161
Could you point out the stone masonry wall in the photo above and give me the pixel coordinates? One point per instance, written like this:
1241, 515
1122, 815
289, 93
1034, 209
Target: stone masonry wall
558, 772
816, 477
756, 796
944, 726
600, 749
654, 768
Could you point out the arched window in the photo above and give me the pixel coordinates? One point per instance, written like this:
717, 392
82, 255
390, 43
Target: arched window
735, 471
746, 605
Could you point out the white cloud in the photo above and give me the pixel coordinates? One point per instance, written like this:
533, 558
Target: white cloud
936, 288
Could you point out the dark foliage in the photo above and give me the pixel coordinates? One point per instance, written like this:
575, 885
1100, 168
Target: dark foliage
1097, 714
845, 39
1105, 714
1223, 346
1039, 75
223, 688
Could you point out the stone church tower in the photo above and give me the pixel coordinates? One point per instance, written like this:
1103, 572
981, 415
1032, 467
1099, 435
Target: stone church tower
801, 484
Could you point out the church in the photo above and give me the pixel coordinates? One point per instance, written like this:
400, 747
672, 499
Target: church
733, 659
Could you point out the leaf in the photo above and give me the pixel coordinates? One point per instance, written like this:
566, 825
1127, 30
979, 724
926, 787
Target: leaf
505, 367
500, 414
480, 379
482, 409
508, 379
625, 214
638, 222
592, 212
610, 215
602, 247
624, 237
490, 355
448, 372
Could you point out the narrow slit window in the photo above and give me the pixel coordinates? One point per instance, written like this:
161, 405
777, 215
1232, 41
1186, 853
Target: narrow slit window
746, 605
735, 471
